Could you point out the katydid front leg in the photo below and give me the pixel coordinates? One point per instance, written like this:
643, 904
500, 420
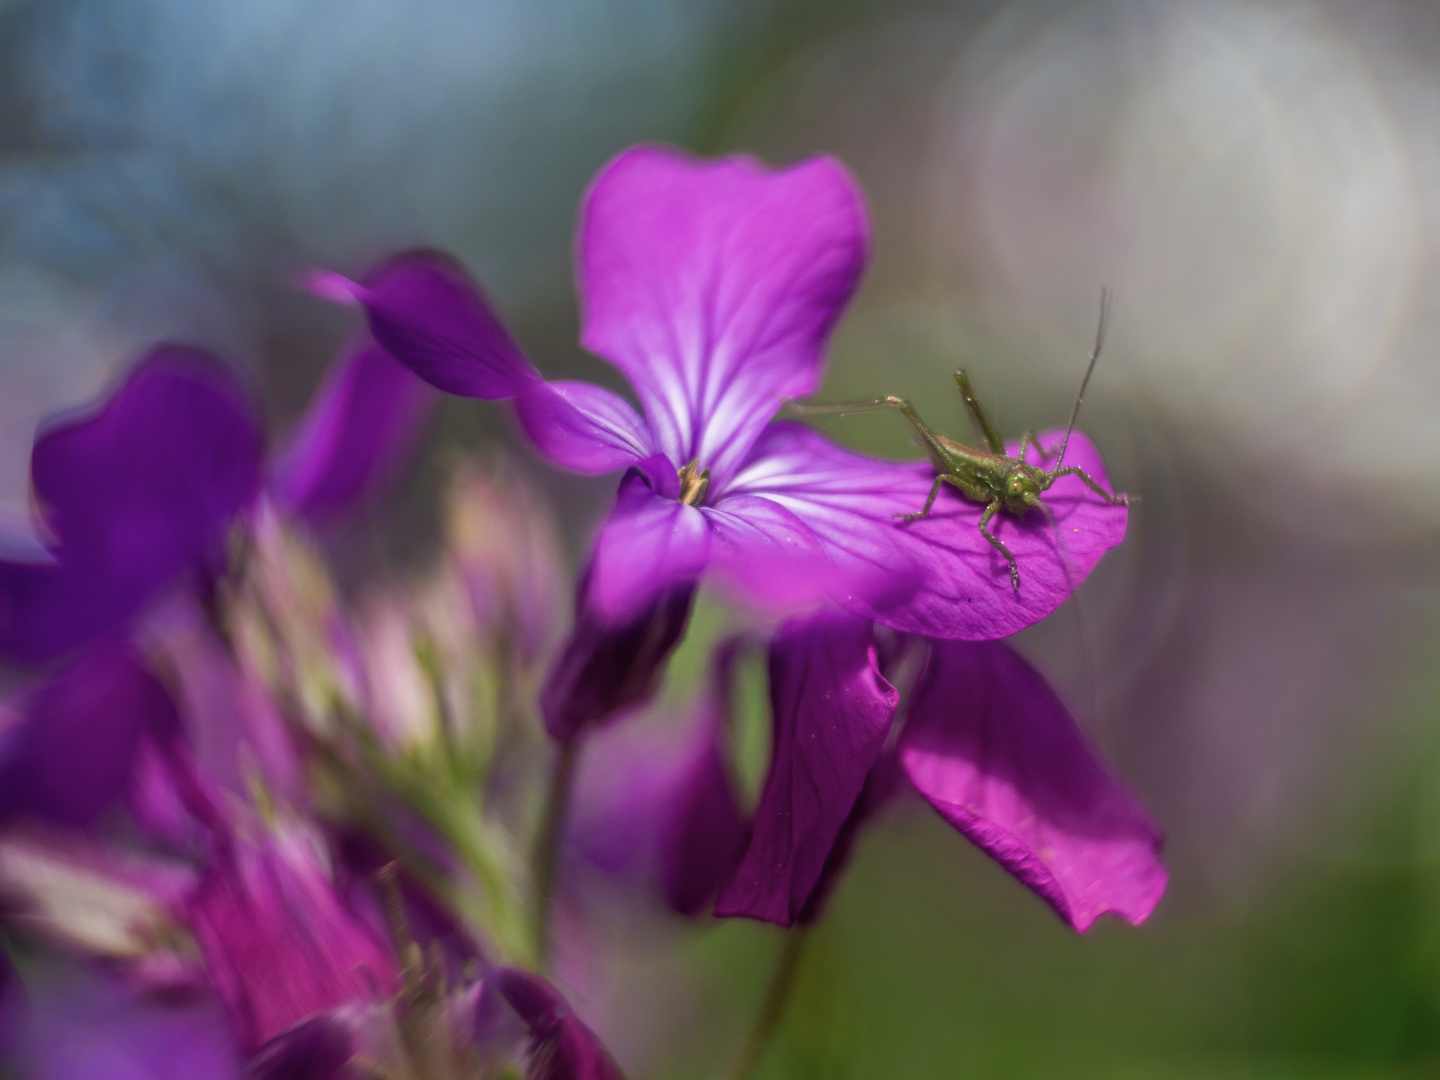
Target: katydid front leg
1090, 482
990, 512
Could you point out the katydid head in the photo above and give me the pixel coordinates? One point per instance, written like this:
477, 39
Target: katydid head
1023, 486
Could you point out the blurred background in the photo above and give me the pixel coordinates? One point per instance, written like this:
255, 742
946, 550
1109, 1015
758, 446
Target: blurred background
1259, 183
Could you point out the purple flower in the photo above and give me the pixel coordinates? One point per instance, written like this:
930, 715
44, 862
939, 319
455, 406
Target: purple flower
985, 741
128, 496
69, 747
714, 286
132, 493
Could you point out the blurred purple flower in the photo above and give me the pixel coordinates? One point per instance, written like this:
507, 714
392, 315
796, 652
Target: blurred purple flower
279, 942
127, 496
561, 1046
133, 492
68, 748
985, 741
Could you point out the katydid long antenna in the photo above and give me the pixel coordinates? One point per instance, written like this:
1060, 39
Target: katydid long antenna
1106, 304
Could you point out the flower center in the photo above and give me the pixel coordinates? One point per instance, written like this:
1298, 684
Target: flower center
694, 482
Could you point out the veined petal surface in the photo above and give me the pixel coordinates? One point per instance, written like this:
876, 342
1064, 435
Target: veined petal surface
582, 427
832, 713
714, 286
992, 748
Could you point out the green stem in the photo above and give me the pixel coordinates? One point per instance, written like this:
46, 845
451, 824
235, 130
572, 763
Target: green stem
547, 844
772, 1009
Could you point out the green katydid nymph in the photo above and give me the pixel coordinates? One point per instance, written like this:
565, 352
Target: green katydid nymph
991, 477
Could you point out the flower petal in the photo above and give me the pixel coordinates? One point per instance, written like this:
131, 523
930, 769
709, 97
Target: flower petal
360, 424
992, 748
606, 667
431, 316
131, 494
278, 941
767, 555
714, 286
653, 799
937, 576
649, 544
316, 1049
69, 753
561, 1046
583, 427
832, 711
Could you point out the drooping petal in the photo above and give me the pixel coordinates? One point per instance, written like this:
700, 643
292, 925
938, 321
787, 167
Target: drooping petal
561, 1046
583, 427
832, 712
714, 286
649, 545
131, 493
993, 749
357, 429
70, 745
431, 316
279, 943
937, 576
606, 668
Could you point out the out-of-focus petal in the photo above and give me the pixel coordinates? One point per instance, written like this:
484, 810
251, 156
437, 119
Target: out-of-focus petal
654, 800
70, 745
714, 286
583, 427
279, 943
648, 545
561, 1046
832, 711
606, 668
703, 833
993, 749
360, 424
131, 494
431, 316
316, 1049
937, 576
84, 1026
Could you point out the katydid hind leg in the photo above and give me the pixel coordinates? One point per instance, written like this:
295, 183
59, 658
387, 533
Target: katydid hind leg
983, 427
995, 542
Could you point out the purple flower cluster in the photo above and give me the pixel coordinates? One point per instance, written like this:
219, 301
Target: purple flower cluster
307, 815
